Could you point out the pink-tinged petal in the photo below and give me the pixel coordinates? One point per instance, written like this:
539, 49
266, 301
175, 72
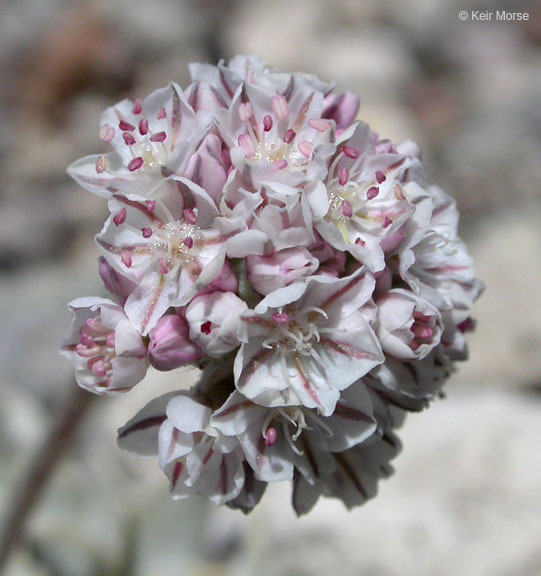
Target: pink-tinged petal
173, 444
267, 274
245, 243
188, 415
309, 380
97, 173
342, 108
140, 434
113, 281
269, 463
352, 421
207, 168
226, 482
149, 301
234, 417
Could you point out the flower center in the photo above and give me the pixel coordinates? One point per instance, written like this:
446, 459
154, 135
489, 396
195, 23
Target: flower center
173, 244
97, 343
295, 332
285, 417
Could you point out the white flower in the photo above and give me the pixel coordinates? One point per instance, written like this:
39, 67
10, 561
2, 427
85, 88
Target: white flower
277, 440
170, 246
196, 458
151, 138
108, 353
305, 343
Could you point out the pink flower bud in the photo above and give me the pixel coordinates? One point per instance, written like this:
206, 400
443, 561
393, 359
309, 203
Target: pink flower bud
170, 345
342, 108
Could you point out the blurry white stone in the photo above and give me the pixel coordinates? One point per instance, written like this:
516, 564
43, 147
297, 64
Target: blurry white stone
505, 347
466, 483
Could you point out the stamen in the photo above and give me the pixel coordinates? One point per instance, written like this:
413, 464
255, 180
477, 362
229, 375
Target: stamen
190, 216
280, 164
86, 352
188, 241
360, 242
245, 111
101, 164
126, 259
290, 440
289, 136
120, 218
143, 126
123, 125
343, 176
347, 209
280, 106
161, 113
305, 148
280, 318
147, 232
151, 205
386, 222
129, 140
206, 327
158, 137
95, 327
350, 152
137, 106
267, 123
372, 192
107, 133
97, 366
319, 124
135, 164
380, 177
270, 437
246, 143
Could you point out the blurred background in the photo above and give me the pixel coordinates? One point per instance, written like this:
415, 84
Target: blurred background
466, 497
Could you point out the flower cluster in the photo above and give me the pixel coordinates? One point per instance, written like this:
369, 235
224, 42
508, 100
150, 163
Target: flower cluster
261, 234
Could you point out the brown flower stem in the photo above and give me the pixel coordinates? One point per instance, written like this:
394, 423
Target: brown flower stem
34, 479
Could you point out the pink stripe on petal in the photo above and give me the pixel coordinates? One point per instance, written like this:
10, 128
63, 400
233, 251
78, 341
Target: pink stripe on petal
346, 350
153, 302
306, 383
151, 422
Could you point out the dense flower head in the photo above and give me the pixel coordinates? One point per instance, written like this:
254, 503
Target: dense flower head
260, 233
